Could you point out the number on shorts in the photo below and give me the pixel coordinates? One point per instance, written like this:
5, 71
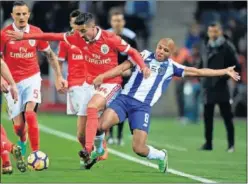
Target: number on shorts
36, 93
146, 117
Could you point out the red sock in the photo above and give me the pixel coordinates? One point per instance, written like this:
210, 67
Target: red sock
81, 140
91, 128
5, 159
21, 131
33, 130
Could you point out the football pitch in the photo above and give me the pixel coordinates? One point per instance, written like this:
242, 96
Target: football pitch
186, 162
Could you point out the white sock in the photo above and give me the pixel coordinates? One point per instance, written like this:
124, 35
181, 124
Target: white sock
155, 154
98, 142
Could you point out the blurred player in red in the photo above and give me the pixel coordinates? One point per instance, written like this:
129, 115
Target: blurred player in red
21, 58
99, 49
6, 145
79, 92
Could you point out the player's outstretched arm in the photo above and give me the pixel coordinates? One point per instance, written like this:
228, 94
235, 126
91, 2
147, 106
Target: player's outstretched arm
119, 70
8, 77
206, 72
14, 35
60, 83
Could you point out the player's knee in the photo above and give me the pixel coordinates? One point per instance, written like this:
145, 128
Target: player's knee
30, 106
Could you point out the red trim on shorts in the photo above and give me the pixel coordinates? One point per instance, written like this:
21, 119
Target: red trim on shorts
112, 93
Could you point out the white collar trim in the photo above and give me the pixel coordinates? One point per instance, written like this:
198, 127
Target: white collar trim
26, 29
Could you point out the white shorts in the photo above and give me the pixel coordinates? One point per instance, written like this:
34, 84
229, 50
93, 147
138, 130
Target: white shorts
28, 91
109, 91
78, 98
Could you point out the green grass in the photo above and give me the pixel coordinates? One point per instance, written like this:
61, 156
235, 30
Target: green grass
182, 142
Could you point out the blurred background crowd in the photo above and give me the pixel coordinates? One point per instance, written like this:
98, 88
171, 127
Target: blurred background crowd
152, 20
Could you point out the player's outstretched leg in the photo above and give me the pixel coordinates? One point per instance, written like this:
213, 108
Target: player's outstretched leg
20, 130
140, 148
5, 150
33, 128
6, 147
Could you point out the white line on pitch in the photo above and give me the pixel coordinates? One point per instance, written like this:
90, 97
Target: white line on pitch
124, 156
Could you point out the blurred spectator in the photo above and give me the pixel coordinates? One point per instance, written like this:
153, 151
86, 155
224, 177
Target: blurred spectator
192, 87
101, 10
181, 56
117, 22
139, 17
193, 36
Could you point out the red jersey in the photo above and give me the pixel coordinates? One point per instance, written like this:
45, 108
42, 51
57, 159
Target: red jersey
76, 63
21, 56
101, 54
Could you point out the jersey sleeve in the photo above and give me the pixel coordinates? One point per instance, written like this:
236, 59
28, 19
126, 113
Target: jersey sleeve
178, 69
119, 44
62, 51
43, 45
144, 54
3, 42
71, 37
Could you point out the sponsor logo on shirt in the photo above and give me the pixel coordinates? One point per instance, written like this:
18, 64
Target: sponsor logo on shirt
77, 57
23, 53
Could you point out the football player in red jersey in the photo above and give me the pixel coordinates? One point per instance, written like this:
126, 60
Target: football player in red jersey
6, 145
80, 92
21, 58
99, 49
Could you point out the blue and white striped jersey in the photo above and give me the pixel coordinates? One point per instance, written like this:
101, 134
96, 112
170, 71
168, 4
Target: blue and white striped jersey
150, 90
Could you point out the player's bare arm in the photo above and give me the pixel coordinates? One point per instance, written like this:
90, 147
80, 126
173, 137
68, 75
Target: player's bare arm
205, 72
60, 83
5, 73
119, 70
14, 35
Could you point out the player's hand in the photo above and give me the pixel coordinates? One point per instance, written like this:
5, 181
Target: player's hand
61, 85
14, 35
98, 81
14, 92
232, 73
4, 85
146, 72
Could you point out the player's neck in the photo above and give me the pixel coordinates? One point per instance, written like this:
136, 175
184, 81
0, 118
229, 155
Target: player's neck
118, 31
20, 28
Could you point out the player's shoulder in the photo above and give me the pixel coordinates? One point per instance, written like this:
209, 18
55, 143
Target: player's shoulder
108, 33
9, 27
145, 54
175, 64
129, 33
35, 29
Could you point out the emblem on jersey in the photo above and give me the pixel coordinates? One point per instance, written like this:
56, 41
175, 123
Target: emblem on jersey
31, 42
104, 49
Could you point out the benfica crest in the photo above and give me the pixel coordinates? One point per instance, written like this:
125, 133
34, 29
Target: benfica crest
32, 42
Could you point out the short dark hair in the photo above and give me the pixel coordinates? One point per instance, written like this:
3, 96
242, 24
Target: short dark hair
19, 3
74, 13
84, 18
215, 24
113, 13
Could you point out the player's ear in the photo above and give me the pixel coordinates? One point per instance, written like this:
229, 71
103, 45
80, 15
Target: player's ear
124, 21
12, 15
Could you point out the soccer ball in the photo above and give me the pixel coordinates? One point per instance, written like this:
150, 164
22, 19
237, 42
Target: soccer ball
38, 161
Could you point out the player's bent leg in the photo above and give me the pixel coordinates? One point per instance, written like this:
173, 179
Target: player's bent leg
107, 120
20, 129
140, 148
96, 104
81, 125
32, 122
